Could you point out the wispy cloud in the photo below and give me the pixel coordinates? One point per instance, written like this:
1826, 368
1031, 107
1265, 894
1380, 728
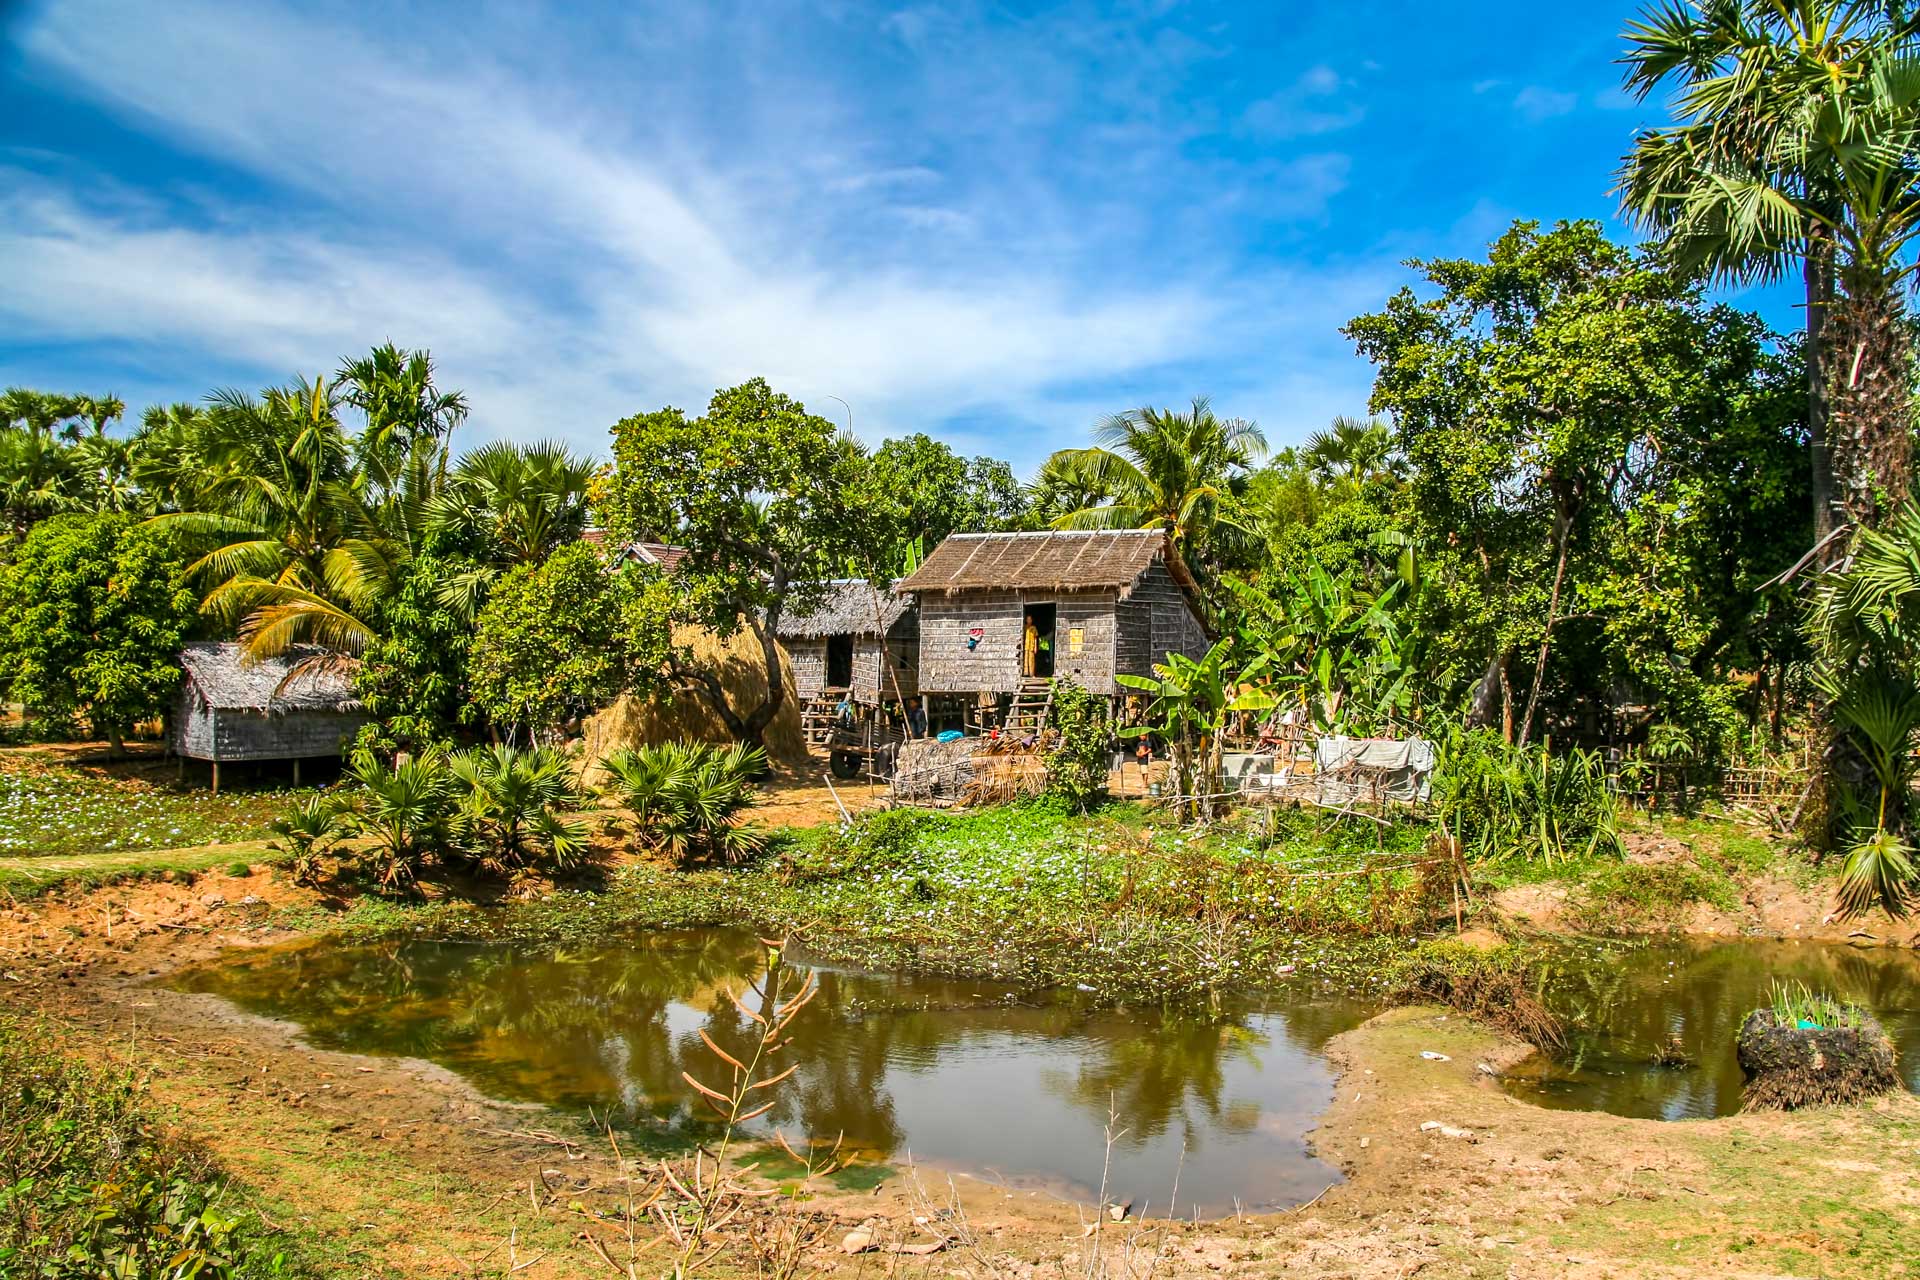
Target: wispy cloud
1318, 102
1535, 103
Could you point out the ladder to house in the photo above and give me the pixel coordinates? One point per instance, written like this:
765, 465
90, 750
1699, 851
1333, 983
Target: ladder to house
1032, 706
819, 716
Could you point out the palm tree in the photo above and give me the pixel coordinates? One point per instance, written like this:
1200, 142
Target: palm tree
1797, 141
1162, 469
1866, 626
525, 499
405, 409
38, 477
1351, 452
297, 555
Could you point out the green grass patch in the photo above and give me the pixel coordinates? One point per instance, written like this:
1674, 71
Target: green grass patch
53, 808
29, 877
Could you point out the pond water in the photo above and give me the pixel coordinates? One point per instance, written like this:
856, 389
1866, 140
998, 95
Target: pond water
977, 1077
1624, 1005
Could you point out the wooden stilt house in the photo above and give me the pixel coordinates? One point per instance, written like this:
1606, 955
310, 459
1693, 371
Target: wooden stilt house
230, 710
860, 644
1002, 614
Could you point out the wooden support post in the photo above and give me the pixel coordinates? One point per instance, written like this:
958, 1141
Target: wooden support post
216, 777
296, 771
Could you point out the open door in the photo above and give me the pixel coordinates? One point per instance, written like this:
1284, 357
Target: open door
839, 662
1036, 646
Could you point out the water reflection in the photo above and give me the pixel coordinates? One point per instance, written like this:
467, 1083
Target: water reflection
1626, 1005
970, 1075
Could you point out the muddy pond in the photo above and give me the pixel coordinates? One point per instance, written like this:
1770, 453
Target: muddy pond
1002, 1083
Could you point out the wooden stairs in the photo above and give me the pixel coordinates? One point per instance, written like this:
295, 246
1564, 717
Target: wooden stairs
819, 717
1032, 707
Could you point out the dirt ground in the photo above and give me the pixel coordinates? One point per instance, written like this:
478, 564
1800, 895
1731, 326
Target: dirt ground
399, 1167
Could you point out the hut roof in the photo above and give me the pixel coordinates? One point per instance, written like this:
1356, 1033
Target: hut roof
227, 682
1052, 560
664, 554
847, 609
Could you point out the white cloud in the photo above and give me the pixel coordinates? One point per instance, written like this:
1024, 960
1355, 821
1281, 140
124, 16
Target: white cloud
1535, 103
570, 260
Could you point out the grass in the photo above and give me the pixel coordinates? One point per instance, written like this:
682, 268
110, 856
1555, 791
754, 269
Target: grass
29, 877
1795, 1004
51, 807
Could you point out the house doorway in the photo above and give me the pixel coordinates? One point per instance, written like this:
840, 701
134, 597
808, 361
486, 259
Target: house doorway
1036, 645
839, 662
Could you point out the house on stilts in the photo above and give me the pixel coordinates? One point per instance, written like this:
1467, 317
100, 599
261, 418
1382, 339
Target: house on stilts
294, 707
1002, 614
859, 644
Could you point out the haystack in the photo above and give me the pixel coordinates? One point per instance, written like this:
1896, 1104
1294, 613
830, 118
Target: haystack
680, 715
1789, 1067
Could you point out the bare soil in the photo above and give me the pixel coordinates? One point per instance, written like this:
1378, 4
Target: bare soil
398, 1166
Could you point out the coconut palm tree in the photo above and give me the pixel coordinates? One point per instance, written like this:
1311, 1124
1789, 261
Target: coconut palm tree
1796, 142
1162, 469
296, 555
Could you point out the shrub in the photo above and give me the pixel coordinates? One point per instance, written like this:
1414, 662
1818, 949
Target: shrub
1077, 765
509, 815
91, 1185
403, 810
306, 834
688, 799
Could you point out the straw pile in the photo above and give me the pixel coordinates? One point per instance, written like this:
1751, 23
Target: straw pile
682, 716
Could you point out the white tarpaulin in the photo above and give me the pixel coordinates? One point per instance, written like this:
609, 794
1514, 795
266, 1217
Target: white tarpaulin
1359, 770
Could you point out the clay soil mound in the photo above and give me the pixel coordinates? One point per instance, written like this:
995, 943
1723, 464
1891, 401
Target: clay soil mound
1792, 1067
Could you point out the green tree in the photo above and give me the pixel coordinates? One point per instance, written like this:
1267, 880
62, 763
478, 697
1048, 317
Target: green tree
769, 501
523, 500
1350, 453
93, 609
1798, 139
944, 493
1561, 406
548, 645
412, 678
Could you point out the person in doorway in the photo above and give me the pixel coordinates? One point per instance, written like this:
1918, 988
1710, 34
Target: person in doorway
916, 719
1030, 649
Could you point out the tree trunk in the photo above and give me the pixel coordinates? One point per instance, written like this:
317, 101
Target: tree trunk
1565, 536
1869, 431
1819, 281
116, 743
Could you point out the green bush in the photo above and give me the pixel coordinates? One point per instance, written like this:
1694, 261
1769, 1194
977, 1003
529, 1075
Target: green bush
688, 800
91, 1185
1077, 765
508, 813
1503, 801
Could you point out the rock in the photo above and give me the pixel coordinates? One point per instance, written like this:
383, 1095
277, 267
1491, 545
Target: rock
1444, 1130
213, 902
1431, 1056
1365, 1143
1119, 1212
859, 1240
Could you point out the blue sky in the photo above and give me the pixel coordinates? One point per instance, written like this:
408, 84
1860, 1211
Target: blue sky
993, 223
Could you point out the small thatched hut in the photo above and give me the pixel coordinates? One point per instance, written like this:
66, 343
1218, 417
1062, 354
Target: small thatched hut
860, 639
287, 708
1001, 611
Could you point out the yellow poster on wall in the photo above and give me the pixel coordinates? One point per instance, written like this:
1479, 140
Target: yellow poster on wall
1076, 641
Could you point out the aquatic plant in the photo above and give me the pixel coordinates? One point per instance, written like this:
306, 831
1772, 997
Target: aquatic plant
1496, 986
1807, 1049
688, 800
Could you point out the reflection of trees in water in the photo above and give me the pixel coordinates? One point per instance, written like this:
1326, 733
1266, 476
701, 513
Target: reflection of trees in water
1624, 1004
1152, 1078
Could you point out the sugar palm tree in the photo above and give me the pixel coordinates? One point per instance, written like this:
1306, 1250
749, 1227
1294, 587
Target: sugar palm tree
526, 499
1796, 143
1351, 452
1162, 469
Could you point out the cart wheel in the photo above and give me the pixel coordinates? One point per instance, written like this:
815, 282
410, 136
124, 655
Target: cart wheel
845, 765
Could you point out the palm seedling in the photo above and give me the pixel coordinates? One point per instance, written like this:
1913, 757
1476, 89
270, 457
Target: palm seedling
688, 800
508, 815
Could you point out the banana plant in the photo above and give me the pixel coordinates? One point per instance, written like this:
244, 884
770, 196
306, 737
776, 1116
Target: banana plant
1191, 700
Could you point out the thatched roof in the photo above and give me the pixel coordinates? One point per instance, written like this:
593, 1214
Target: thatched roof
1054, 560
225, 681
848, 609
